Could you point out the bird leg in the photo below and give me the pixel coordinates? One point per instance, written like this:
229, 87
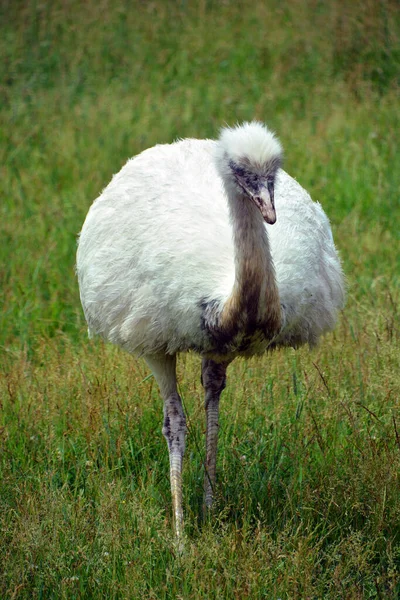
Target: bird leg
213, 378
174, 429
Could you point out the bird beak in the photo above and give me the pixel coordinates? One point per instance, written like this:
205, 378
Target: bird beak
264, 200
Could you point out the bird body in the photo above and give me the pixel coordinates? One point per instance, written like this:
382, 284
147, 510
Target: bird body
157, 247
181, 252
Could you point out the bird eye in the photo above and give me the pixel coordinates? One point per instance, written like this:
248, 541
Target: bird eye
238, 171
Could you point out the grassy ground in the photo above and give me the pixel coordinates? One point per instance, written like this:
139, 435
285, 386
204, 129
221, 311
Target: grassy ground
308, 490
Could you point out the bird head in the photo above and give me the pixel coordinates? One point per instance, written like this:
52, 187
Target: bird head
248, 158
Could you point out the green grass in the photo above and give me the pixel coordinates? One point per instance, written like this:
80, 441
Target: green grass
309, 459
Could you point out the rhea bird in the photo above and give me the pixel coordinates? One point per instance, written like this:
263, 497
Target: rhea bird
209, 246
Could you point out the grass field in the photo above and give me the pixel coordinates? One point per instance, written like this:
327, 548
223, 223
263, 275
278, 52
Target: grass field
308, 499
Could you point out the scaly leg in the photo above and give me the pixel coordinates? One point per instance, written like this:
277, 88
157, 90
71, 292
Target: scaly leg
213, 377
174, 429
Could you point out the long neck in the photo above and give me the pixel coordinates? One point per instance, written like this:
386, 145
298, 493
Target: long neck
254, 300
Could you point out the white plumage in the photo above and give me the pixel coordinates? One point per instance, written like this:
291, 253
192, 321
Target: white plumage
176, 254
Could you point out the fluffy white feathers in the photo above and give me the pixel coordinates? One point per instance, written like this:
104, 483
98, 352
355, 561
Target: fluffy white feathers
158, 244
251, 143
